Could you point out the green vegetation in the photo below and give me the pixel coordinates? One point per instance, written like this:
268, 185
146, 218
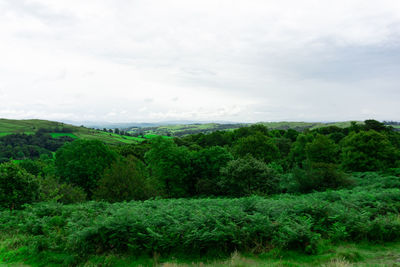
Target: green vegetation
56, 135
251, 191
82, 163
195, 128
57, 130
213, 227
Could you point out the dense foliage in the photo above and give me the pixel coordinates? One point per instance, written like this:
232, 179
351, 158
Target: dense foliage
246, 161
200, 226
17, 186
23, 146
82, 163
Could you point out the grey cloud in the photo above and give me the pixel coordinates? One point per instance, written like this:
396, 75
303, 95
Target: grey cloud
226, 60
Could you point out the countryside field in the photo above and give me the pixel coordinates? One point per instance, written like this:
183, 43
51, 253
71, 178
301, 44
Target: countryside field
184, 129
31, 126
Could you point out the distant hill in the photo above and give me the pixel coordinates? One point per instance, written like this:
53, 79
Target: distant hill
194, 128
31, 126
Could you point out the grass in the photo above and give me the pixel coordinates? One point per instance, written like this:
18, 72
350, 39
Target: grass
150, 136
22, 126
57, 135
31, 126
14, 251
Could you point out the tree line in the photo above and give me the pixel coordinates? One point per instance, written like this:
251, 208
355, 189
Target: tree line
247, 161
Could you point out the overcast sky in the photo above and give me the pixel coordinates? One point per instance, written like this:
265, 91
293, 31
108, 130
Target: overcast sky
244, 61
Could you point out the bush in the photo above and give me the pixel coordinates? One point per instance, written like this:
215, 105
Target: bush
17, 186
221, 226
319, 177
52, 190
247, 176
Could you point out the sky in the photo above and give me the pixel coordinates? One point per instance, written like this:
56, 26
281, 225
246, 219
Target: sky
208, 60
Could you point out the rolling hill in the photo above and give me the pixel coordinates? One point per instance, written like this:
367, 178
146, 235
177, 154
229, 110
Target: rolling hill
183, 129
8, 126
31, 126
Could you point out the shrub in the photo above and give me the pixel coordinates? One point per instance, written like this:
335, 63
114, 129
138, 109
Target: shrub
17, 186
319, 177
246, 176
221, 226
52, 190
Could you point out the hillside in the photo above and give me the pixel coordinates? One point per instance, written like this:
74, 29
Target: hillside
31, 126
195, 128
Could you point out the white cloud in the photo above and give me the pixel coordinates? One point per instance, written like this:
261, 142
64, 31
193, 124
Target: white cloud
209, 60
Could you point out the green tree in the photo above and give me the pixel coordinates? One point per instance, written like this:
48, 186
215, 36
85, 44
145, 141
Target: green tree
374, 125
246, 176
297, 153
322, 149
259, 146
125, 179
368, 151
170, 166
207, 164
82, 163
17, 186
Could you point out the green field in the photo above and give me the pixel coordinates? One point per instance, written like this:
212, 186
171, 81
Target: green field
57, 135
183, 129
23, 126
31, 126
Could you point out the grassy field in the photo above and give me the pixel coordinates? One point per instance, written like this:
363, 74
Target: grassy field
345, 255
57, 135
182, 129
23, 126
31, 126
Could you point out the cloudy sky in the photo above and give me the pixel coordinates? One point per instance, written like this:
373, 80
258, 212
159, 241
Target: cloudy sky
244, 61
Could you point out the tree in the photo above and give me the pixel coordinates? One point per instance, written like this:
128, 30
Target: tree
82, 163
259, 146
170, 166
207, 164
322, 149
246, 176
17, 186
374, 125
297, 153
368, 151
125, 179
